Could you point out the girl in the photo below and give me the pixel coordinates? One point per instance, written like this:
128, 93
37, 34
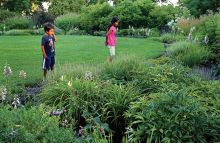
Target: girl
110, 37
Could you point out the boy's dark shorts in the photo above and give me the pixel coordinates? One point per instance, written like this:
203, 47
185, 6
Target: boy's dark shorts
48, 63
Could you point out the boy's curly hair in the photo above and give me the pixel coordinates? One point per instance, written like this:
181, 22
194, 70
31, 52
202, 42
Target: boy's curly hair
48, 27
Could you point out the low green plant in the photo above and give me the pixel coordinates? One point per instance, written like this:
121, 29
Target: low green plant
18, 32
82, 32
171, 117
96, 33
166, 37
155, 38
5, 14
33, 125
15, 23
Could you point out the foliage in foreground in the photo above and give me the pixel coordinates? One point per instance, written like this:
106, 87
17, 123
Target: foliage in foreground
171, 117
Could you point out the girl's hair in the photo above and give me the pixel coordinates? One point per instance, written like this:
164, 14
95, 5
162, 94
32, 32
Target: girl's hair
113, 20
48, 27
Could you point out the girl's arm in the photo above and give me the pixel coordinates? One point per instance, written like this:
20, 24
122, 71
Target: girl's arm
106, 42
42, 47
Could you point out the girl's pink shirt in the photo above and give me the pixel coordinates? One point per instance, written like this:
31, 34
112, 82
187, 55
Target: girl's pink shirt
111, 38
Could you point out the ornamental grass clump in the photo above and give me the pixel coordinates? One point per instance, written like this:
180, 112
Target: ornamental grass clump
72, 71
165, 38
202, 72
189, 53
121, 69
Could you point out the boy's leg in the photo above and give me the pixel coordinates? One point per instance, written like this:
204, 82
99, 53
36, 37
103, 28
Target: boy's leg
45, 74
52, 65
46, 66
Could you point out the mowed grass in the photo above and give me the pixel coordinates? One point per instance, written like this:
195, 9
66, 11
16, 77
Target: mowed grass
24, 53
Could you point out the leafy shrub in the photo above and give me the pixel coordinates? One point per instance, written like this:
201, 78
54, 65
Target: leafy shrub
157, 78
41, 17
82, 32
210, 29
67, 21
15, 23
166, 37
172, 117
123, 32
103, 33
58, 31
96, 33
32, 125
41, 31
92, 17
5, 14
18, 32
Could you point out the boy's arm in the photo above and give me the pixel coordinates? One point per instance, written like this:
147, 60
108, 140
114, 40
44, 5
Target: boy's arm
55, 39
42, 47
106, 42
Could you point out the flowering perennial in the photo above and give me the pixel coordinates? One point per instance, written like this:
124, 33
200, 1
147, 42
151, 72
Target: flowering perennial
22, 74
7, 70
3, 93
16, 101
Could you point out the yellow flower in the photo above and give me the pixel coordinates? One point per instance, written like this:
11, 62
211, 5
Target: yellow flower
69, 84
17, 125
61, 78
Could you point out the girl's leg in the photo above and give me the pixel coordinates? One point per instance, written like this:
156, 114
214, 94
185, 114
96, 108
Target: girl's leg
112, 52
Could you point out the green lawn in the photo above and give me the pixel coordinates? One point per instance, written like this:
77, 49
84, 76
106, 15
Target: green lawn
24, 52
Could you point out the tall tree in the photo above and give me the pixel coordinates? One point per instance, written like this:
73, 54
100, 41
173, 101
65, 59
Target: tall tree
20, 6
198, 7
60, 7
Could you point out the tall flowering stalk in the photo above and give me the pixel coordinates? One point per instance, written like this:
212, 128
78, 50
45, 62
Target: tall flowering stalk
22, 75
16, 101
7, 72
3, 93
88, 75
206, 39
190, 36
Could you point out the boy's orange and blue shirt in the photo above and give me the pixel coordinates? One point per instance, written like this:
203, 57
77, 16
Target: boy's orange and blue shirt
48, 43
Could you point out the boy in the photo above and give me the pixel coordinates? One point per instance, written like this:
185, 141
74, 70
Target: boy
48, 49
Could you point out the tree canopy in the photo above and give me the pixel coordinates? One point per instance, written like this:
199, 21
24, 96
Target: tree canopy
20, 6
198, 7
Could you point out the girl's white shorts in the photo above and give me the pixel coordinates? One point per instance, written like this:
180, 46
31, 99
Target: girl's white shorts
112, 50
